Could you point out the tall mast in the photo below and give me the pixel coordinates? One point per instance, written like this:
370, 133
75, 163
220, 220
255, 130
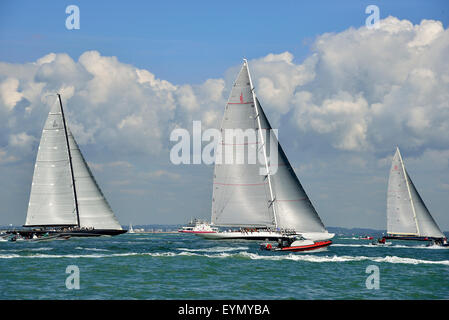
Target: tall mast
409, 193
70, 160
263, 144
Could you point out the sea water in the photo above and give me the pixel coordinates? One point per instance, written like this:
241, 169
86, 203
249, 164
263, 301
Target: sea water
185, 266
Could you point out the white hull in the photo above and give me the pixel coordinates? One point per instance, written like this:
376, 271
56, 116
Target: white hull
263, 235
199, 227
255, 235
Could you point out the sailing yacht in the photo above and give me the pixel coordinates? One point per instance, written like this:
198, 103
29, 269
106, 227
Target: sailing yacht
267, 206
407, 216
65, 198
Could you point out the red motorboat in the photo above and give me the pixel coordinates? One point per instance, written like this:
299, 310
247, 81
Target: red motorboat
297, 244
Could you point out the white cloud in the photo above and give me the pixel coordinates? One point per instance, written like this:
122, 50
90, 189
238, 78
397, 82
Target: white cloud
344, 116
9, 94
107, 102
359, 90
276, 78
113, 164
22, 140
163, 174
365, 89
5, 158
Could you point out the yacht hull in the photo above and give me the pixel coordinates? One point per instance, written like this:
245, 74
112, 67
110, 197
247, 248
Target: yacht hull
414, 238
264, 235
238, 235
72, 233
191, 231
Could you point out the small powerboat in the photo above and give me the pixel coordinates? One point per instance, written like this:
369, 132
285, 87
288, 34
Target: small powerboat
438, 242
296, 244
380, 242
198, 227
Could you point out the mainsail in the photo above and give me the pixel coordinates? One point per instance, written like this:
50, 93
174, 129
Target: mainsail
52, 199
240, 193
407, 215
242, 196
64, 191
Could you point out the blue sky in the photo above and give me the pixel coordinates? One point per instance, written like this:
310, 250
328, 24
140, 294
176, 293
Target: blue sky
344, 97
188, 41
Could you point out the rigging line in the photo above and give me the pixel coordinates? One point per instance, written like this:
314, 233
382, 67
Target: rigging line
262, 139
409, 193
70, 160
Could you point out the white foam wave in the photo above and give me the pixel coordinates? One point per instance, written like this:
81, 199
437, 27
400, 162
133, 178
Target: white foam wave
53, 256
75, 256
327, 259
9, 256
243, 254
91, 249
390, 245
369, 245
335, 258
214, 249
27, 249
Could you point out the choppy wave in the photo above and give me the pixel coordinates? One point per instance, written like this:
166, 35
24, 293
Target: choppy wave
91, 249
226, 253
335, 258
390, 245
368, 245
26, 249
214, 249
324, 259
53, 256
75, 256
321, 258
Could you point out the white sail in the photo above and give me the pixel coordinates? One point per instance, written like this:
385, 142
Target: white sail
64, 191
406, 212
94, 210
294, 210
241, 195
52, 200
400, 214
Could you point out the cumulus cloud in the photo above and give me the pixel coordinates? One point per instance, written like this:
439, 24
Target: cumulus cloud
9, 94
277, 78
22, 141
364, 89
375, 88
360, 89
107, 102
